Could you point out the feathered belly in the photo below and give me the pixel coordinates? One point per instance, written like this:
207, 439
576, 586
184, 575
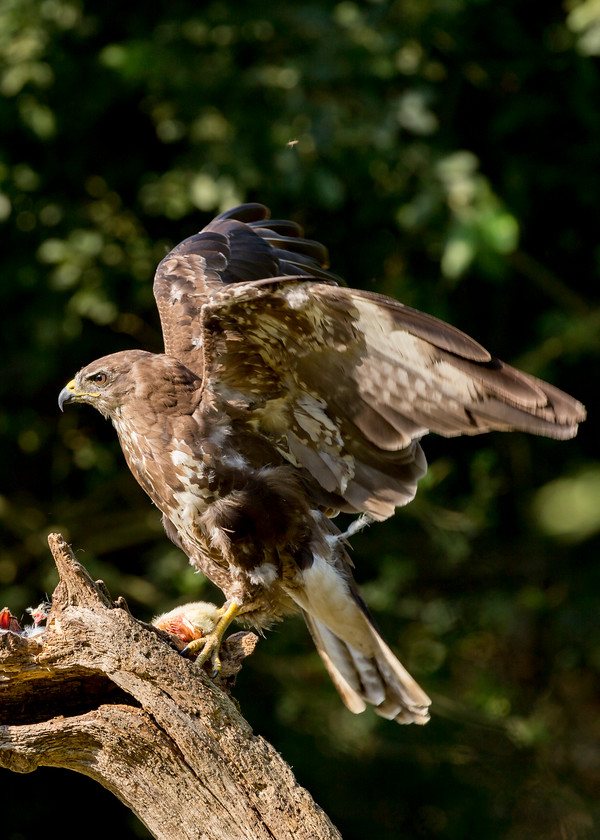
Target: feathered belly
246, 529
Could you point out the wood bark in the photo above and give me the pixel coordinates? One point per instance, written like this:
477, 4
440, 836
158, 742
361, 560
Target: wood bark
106, 695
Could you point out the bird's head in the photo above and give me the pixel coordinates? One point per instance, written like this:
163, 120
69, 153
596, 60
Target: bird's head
106, 383
127, 378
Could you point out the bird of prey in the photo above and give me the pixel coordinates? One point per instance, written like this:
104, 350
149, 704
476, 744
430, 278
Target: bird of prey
281, 399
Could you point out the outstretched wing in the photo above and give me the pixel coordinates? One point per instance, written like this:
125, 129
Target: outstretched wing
240, 245
344, 383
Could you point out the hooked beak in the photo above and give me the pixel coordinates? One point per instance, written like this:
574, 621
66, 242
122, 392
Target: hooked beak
70, 394
67, 394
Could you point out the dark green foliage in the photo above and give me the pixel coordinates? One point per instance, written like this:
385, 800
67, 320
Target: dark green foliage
448, 154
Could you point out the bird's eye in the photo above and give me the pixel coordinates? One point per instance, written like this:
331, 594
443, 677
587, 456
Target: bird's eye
100, 378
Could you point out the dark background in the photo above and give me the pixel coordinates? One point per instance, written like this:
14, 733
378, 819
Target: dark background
448, 153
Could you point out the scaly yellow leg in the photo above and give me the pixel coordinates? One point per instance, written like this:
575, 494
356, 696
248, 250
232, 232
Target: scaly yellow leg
208, 646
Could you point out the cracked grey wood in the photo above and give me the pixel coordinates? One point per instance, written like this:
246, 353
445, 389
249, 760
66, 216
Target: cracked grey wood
106, 695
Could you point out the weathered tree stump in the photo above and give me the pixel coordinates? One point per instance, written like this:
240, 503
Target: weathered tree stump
109, 696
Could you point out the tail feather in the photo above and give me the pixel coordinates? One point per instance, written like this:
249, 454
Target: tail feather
377, 677
361, 665
334, 654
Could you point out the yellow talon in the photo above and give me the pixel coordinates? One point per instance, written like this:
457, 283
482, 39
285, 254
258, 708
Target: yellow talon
207, 647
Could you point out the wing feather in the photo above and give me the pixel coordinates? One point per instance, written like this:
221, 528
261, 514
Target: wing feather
345, 383
239, 246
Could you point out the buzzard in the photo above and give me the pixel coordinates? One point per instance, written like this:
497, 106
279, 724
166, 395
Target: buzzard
283, 398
